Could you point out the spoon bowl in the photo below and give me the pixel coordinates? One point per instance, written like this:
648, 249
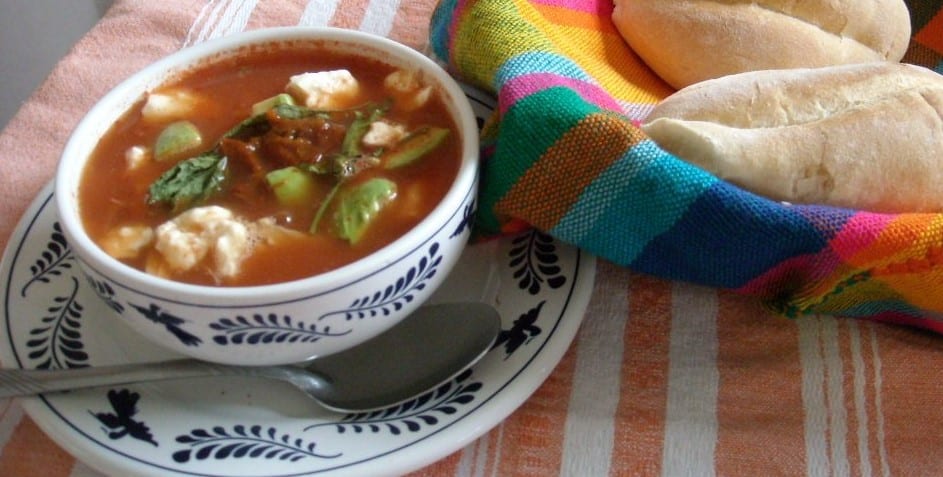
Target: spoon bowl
429, 347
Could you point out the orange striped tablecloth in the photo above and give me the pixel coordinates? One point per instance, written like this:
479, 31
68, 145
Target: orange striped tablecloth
663, 378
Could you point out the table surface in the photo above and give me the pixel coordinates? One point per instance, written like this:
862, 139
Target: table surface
663, 378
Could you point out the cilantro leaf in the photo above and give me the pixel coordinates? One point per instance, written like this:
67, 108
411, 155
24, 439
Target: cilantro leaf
359, 128
190, 181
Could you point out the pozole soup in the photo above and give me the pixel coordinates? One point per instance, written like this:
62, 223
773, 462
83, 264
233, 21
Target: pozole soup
268, 166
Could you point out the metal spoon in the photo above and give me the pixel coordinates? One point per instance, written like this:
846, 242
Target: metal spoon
427, 348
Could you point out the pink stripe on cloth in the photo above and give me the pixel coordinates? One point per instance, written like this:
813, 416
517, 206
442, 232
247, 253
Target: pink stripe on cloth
793, 270
598, 7
349, 13
926, 323
855, 236
406, 29
859, 232
526, 85
31, 143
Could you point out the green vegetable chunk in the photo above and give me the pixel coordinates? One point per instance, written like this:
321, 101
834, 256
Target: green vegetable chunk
266, 104
415, 146
177, 139
360, 206
190, 181
292, 186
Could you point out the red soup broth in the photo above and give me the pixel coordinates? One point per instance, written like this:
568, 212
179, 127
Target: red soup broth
111, 194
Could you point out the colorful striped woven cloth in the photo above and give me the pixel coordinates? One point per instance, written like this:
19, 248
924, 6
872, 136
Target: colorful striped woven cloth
562, 153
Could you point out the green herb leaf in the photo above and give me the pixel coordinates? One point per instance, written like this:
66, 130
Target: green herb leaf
323, 208
349, 166
359, 127
320, 168
360, 206
253, 126
189, 182
258, 124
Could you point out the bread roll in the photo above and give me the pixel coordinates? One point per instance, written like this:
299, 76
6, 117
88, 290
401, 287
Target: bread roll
687, 41
866, 136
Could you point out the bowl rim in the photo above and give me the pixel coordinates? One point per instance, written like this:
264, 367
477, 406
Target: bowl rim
68, 171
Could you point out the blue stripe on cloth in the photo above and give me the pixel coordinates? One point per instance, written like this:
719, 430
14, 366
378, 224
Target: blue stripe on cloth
631, 202
702, 246
828, 220
439, 26
538, 62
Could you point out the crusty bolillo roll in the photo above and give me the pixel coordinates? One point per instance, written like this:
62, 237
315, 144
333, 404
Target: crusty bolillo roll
866, 136
686, 41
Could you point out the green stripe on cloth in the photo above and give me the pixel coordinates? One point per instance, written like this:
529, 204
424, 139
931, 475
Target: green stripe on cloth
625, 208
525, 135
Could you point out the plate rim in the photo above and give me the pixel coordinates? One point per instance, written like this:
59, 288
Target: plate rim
510, 395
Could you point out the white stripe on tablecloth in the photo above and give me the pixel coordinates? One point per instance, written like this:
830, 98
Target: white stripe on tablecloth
318, 12
11, 413
837, 416
496, 453
220, 18
693, 381
813, 396
859, 381
473, 459
590, 426
878, 401
378, 19
208, 11
481, 458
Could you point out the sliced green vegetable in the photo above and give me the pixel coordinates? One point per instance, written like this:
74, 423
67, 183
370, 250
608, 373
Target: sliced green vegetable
415, 146
291, 111
190, 181
360, 206
177, 139
292, 186
266, 104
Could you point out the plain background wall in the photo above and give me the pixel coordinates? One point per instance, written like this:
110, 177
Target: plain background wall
33, 40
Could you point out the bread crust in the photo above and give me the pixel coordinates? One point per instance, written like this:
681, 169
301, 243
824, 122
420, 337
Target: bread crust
865, 136
687, 41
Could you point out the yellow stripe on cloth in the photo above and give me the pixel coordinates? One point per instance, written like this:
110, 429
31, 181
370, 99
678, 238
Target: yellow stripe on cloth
593, 43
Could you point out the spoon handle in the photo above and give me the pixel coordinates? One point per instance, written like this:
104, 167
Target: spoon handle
27, 382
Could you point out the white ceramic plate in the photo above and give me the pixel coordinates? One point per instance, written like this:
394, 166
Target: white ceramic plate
51, 318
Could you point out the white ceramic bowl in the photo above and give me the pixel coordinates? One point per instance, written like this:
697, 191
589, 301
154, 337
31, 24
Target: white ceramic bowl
291, 321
